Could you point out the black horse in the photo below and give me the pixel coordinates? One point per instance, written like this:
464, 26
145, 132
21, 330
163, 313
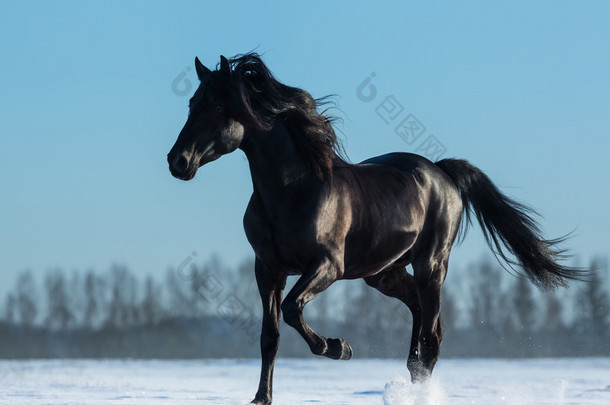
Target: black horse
315, 215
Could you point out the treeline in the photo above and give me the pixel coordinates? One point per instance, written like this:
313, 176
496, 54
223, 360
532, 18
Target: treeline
211, 311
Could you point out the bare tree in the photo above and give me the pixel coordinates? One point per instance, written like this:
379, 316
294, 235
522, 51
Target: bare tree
76, 298
593, 303
553, 316
182, 294
151, 310
59, 315
487, 297
524, 304
244, 284
10, 309
371, 314
27, 295
94, 293
122, 308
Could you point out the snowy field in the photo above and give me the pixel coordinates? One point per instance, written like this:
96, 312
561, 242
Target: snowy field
323, 381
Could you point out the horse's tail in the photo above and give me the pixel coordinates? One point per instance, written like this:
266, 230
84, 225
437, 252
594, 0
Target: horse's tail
509, 225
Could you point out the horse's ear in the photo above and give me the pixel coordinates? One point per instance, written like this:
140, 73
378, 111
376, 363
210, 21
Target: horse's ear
225, 66
202, 71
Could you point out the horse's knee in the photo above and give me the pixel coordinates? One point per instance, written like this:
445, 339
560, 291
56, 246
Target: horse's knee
291, 312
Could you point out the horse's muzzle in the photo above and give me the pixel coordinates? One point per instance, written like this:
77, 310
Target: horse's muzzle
180, 168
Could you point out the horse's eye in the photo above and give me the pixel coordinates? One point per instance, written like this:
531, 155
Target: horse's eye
219, 109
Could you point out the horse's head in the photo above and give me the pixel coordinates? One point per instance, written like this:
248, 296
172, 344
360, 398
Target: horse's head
212, 128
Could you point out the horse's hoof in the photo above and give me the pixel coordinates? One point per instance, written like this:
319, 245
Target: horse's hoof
419, 374
261, 401
338, 349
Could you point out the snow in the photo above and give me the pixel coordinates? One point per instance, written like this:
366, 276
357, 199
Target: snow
304, 381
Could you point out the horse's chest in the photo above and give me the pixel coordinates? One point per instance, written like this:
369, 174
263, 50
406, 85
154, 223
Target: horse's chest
280, 242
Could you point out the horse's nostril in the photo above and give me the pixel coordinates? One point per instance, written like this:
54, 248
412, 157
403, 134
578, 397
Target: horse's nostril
181, 163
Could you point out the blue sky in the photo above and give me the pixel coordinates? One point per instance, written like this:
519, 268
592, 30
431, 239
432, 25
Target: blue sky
88, 114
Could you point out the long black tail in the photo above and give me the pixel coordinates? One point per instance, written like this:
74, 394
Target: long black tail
509, 225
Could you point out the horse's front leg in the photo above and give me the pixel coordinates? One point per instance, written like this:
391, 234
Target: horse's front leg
315, 280
270, 286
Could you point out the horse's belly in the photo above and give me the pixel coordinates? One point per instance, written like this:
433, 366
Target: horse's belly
363, 258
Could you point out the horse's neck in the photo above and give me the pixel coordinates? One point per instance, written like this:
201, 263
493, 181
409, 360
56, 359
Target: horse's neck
274, 160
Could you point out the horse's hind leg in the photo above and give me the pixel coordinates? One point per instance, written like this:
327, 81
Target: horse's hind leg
429, 275
310, 285
397, 283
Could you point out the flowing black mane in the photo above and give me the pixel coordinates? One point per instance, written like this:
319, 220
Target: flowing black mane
263, 100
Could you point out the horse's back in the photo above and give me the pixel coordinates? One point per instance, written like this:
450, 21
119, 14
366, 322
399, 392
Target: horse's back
401, 160
432, 178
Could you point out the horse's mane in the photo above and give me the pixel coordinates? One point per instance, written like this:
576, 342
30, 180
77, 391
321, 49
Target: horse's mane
264, 100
